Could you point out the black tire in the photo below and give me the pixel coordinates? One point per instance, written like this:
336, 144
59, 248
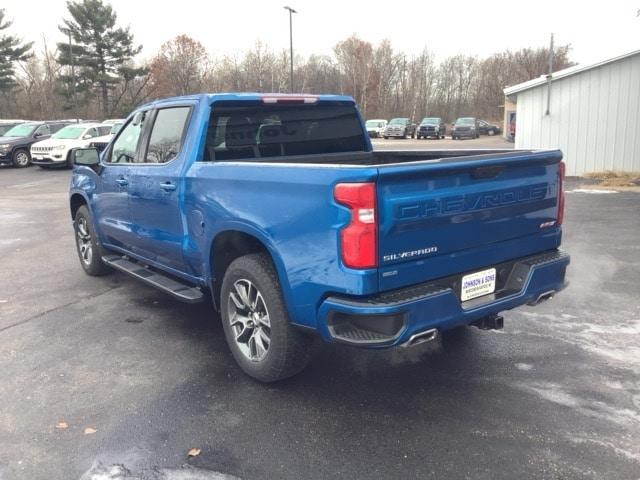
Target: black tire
21, 158
289, 350
91, 261
385, 137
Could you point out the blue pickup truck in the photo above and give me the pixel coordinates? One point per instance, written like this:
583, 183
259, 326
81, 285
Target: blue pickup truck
277, 208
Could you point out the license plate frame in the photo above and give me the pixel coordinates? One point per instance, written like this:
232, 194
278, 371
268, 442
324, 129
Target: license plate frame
478, 284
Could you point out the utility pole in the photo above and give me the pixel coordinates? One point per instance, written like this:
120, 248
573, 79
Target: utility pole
73, 79
291, 12
549, 74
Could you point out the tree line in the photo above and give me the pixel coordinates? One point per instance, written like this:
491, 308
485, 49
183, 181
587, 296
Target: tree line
98, 74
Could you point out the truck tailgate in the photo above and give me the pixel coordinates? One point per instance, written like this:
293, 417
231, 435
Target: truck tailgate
454, 215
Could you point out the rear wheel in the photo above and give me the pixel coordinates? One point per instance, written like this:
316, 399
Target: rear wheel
491, 133
21, 158
256, 323
89, 251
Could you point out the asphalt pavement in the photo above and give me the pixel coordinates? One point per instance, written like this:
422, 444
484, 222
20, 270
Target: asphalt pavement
105, 378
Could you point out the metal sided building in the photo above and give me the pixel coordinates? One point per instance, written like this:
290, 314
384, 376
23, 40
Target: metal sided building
593, 114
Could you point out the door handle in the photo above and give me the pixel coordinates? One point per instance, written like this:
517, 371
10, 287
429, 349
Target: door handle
122, 182
168, 186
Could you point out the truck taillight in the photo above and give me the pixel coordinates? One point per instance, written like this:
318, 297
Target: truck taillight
359, 239
562, 168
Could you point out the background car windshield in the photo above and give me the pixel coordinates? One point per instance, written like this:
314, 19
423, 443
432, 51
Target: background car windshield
69, 133
398, 121
465, 121
430, 120
374, 124
115, 128
21, 131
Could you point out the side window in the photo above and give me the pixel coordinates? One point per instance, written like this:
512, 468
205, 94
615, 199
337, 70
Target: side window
43, 130
166, 136
125, 146
92, 132
103, 131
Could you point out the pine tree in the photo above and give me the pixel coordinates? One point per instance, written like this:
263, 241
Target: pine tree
102, 53
11, 50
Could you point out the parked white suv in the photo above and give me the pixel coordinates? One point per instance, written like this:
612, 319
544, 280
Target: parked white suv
101, 142
55, 150
375, 127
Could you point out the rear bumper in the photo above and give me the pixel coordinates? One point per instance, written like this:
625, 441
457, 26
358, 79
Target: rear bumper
392, 318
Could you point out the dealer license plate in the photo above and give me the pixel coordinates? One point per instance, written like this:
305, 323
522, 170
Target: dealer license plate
478, 284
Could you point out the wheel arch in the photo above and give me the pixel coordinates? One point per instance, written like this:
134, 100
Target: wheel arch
75, 202
232, 243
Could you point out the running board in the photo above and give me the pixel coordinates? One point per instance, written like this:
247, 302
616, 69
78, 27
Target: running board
180, 291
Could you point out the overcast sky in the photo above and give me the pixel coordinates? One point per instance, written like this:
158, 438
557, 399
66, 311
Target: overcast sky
596, 30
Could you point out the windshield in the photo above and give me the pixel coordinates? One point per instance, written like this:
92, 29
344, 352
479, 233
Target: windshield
466, 121
69, 133
430, 120
5, 128
23, 130
399, 121
115, 128
374, 124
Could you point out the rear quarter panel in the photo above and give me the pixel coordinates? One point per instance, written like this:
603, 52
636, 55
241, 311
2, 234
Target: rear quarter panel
291, 210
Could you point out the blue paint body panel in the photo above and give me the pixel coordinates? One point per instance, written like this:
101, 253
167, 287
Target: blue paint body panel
436, 218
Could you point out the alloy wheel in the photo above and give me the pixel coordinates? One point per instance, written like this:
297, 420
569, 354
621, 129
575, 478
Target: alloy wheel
249, 320
83, 237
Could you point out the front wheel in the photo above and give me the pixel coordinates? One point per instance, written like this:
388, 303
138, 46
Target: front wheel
87, 245
21, 158
256, 323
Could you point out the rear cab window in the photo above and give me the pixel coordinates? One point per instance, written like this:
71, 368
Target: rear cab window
253, 130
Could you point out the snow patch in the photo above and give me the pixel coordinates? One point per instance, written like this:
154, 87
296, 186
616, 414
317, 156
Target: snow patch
590, 190
99, 471
525, 367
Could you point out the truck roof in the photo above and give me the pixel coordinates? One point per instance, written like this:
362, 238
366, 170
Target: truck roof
239, 96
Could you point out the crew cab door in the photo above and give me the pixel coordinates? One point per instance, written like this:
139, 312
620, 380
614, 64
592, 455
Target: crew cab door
111, 200
154, 190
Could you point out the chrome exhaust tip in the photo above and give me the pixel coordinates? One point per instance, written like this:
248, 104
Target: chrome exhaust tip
421, 337
543, 297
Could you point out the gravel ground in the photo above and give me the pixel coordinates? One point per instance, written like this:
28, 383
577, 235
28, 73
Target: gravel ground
555, 395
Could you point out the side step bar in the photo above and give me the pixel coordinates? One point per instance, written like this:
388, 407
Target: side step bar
180, 291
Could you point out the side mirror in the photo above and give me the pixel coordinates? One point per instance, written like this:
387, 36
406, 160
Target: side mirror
86, 137
88, 157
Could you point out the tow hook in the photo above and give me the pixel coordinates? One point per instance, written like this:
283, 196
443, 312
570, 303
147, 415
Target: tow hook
491, 322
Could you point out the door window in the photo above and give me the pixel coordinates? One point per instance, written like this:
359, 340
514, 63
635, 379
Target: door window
42, 130
125, 147
166, 136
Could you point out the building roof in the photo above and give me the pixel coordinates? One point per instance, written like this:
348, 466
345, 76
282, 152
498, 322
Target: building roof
542, 79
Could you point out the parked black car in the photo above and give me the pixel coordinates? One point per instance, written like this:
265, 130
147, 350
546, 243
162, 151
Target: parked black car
431, 127
6, 125
486, 128
465, 127
15, 143
400, 127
